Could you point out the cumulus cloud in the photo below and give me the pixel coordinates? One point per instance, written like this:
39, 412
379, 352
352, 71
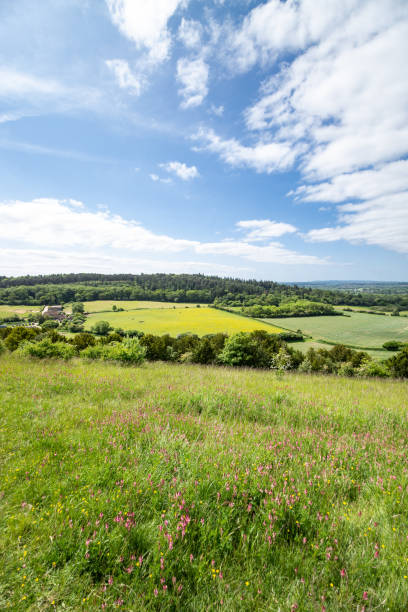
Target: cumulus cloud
264, 228
17, 262
272, 253
46, 226
381, 222
193, 78
360, 185
190, 32
262, 156
124, 76
145, 23
53, 223
186, 173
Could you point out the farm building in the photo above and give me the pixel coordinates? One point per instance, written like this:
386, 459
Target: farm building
54, 312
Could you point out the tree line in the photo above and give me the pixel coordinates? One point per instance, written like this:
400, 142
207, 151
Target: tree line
189, 288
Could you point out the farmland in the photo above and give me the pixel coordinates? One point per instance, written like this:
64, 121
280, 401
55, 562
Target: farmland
355, 329
106, 305
171, 321
172, 487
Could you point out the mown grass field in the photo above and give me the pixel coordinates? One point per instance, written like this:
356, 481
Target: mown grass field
18, 309
106, 305
195, 488
171, 321
357, 329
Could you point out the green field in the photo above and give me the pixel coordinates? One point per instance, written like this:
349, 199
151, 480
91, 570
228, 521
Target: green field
171, 321
106, 305
18, 309
199, 488
356, 329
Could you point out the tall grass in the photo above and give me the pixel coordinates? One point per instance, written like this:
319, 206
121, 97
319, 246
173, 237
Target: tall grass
171, 487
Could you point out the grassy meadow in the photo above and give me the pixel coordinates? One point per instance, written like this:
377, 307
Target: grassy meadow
171, 321
106, 305
18, 309
355, 329
170, 487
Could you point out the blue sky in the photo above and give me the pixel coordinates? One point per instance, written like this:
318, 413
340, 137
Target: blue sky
230, 137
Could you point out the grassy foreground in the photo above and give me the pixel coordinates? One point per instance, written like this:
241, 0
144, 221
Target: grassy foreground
172, 487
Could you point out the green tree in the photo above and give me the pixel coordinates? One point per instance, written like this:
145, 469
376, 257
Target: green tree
101, 328
78, 308
398, 364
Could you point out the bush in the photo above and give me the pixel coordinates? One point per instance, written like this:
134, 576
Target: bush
2, 347
281, 361
78, 307
346, 369
129, 351
373, 368
204, 352
83, 340
101, 328
49, 324
398, 364
20, 334
47, 349
242, 350
393, 345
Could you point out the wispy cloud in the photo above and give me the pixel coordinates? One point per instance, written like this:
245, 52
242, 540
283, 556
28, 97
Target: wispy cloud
184, 172
192, 74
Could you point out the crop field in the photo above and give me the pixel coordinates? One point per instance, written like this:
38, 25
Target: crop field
356, 329
192, 488
171, 321
18, 309
106, 305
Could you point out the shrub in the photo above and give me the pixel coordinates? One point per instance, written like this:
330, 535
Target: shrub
281, 361
101, 328
204, 352
78, 307
372, 368
129, 351
93, 351
83, 340
47, 349
2, 347
242, 350
49, 324
346, 369
18, 335
393, 345
398, 364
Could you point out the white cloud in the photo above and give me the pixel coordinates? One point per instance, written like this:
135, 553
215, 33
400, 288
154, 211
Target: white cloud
190, 32
17, 262
124, 76
263, 229
263, 156
193, 77
272, 253
181, 170
158, 179
361, 185
48, 222
381, 222
145, 23
16, 84
48, 226
217, 110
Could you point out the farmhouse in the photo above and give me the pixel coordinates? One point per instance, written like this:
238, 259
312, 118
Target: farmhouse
54, 312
